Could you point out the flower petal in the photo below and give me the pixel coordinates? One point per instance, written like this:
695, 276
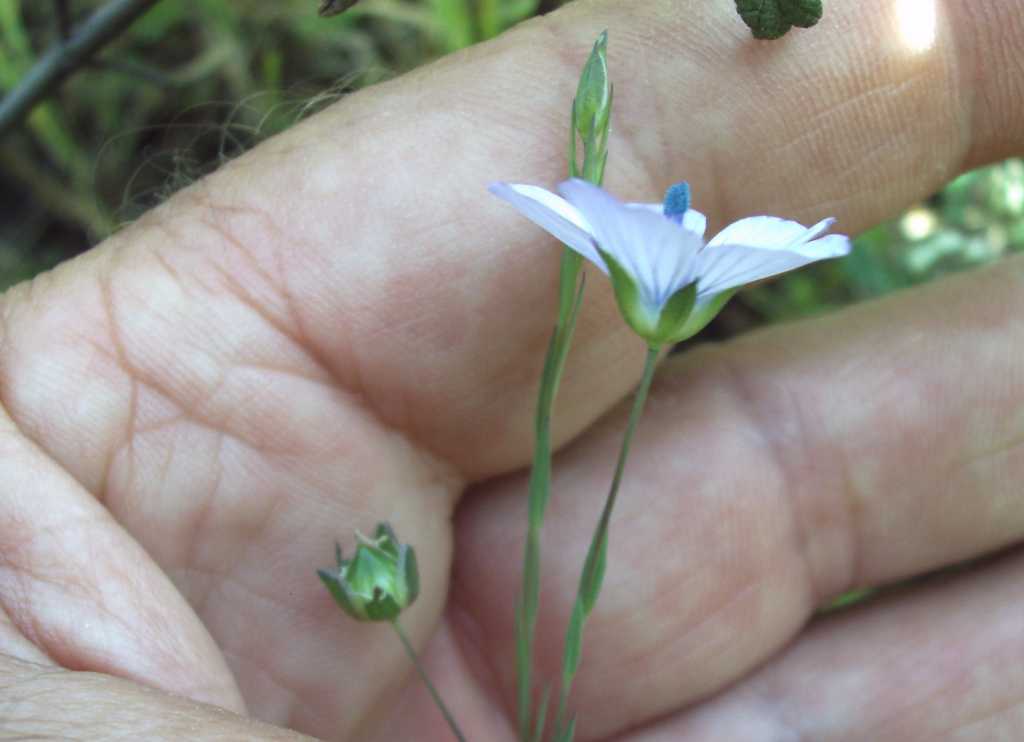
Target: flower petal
768, 232
654, 250
554, 214
693, 220
727, 266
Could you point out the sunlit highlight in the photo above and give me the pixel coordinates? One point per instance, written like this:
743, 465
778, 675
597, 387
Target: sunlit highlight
916, 21
919, 223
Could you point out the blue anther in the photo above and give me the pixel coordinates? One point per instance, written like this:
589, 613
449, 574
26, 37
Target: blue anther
677, 201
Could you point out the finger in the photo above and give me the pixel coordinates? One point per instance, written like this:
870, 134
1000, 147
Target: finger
398, 309
769, 475
941, 662
77, 591
41, 702
430, 302
237, 463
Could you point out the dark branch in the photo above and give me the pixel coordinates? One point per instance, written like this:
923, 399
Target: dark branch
63, 18
105, 25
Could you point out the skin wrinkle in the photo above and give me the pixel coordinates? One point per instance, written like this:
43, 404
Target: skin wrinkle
13, 547
298, 699
1009, 703
43, 703
849, 508
749, 397
39, 634
353, 383
294, 699
972, 48
466, 637
654, 656
120, 358
300, 340
191, 412
200, 522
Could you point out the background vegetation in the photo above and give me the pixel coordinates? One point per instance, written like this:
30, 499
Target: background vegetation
195, 82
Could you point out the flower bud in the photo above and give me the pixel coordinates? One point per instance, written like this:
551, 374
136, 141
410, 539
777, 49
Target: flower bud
593, 103
379, 581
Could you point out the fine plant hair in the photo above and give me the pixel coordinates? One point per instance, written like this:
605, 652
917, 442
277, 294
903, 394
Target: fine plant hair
227, 131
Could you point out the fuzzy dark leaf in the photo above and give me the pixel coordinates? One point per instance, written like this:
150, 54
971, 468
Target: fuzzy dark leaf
801, 13
771, 19
333, 7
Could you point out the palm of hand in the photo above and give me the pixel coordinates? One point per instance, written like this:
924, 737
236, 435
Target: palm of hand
242, 379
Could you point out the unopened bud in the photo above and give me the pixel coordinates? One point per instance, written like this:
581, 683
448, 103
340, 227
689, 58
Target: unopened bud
593, 103
379, 581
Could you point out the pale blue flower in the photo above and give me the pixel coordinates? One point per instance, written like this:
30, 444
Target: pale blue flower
669, 282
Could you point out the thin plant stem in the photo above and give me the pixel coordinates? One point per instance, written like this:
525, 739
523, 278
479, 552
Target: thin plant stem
570, 295
593, 570
426, 681
540, 489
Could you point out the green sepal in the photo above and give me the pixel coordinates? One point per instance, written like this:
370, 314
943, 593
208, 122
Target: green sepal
703, 314
340, 595
670, 325
379, 581
627, 295
674, 316
386, 539
383, 607
409, 569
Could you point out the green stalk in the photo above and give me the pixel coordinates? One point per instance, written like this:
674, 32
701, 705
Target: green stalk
570, 294
426, 681
589, 117
540, 486
593, 568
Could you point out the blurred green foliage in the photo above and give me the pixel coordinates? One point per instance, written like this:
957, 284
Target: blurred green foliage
977, 218
196, 82
189, 85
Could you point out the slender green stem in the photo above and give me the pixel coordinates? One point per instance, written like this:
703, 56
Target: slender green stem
426, 680
593, 570
639, 400
540, 486
570, 295
593, 100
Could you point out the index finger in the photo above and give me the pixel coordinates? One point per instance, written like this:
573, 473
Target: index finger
366, 235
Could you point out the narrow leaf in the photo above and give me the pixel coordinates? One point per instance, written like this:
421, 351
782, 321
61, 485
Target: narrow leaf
570, 730
523, 670
593, 570
573, 643
542, 715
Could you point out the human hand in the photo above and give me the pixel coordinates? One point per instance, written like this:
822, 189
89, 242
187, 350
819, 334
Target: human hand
344, 327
